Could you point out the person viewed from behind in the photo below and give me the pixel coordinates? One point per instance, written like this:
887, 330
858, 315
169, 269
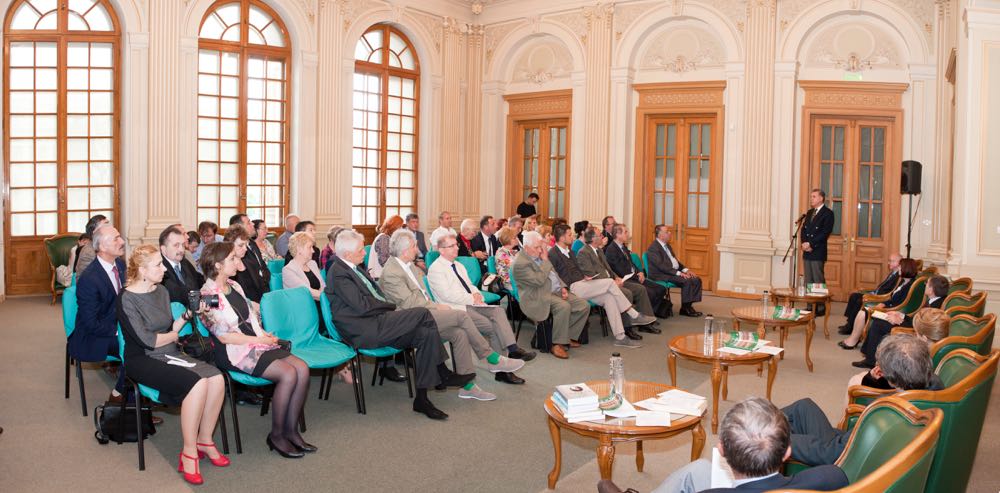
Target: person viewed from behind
281, 246
930, 325
379, 254
151, 332
243, 345
935, 291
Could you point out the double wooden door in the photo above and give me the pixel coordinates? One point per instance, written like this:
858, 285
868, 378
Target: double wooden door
854, 160
541, 165
682, 180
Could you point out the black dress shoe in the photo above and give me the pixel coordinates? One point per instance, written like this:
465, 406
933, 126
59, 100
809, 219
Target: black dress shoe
863, 364
306, 447
650, 329
507, 377
458, 379
247, 398
845, 346
631, 334
426, 407
285, 454
391, 374
521, 354
690, 312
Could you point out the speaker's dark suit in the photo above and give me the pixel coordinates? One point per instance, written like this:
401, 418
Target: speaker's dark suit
367, 322
855, 300
815, 230
660, 268
822, 478
421, 243
177, 288
620, 260
879, 329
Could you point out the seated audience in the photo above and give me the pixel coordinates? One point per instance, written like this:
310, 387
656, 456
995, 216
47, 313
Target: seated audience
527, 208
548, 241
365, 318
403, 285
542, 294
619, 258
309, 228
291, 225
907, 273
181, 277
904, 362
379, 254
530, 223
331, 239
96, 334
665, 266
884, 287
64, 273
595, 265
444, 228
251, 279
85, 255
579, 228
930, 325
515, 223
604, 292
254, 259
485, 244
608, 225
209, 233
243, 345
506, 254
151, 332
935, 292
302, 270
260, 240
451, 286
754, 439
413, 224
193, 242
469, 231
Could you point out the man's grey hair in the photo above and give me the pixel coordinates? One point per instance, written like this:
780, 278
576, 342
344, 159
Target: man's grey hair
755, 436
289, 216
905, 362
444, 239
101, 234
530, 239
348, 242
515, 219
469, 223
400, 241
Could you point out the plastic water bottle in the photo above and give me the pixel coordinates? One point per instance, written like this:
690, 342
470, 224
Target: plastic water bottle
617, 377
800, 286
765, 300
707, 346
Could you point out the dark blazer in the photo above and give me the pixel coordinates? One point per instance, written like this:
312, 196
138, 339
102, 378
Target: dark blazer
256, 259
288, 258
659, 267
357, 314
565, 267
899, 295
256, 278
525, 209
463, 251
421, 243
620, 262
97, 314
888, 283
815, 230
179, 290
479, 244
822, 478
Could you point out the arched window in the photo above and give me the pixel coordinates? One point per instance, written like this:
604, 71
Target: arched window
244, 62
384, 160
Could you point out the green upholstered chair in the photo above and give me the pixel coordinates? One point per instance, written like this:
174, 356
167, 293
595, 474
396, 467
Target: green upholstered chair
928, 272
915, 299
960, 285
967, 325
431, 257
645, 267
959, 303
69, 309
475, 272
636, 261
275, 266
277, 282
271, 237
491, 265
57, 249
368, 251
980, 342
968, 379
576, 246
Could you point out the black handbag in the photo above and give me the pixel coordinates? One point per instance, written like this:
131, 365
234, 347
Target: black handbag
112, 425
492, 283
197, 346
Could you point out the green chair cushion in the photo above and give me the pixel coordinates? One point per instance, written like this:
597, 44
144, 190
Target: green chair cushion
431, 257
291, 314
69, 310
882, 434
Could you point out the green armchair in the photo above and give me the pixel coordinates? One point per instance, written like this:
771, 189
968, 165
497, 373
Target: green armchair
964, 303
980, 342
960, 285
57, 249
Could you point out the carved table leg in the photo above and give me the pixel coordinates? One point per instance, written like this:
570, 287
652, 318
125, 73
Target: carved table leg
725, 382
810, 328
639, 459
672, 367
716, 378
606, 456
782, 337
772, 371
557, 447
697, 441
761, 330
760, 369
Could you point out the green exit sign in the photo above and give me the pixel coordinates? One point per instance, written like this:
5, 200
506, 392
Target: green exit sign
855, 76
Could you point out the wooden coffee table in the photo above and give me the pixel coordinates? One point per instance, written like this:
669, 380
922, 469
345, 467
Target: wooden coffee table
753, 315
617, 430
788, 296
691, 347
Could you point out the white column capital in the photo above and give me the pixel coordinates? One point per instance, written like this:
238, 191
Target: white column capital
138, 40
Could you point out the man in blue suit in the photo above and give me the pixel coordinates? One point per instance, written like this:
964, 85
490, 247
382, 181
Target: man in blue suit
816, 229
96, 334
755, 439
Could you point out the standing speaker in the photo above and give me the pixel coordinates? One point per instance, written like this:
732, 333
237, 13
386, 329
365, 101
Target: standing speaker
910, 178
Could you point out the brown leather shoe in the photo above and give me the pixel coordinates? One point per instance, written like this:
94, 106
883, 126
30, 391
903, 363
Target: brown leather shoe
559, 352
574, 344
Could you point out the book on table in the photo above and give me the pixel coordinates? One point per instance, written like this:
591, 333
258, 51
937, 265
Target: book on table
577, 394
787, 313
817, 288
745, 340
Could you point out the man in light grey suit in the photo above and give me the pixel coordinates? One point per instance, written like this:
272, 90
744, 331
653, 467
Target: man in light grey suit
403, 285
594, 264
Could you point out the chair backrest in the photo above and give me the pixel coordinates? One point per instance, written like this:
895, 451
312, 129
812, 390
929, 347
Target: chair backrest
368, 251
290, 314
967, 325
959, 303
69, 310
57, 248
427, 286
928, 272
980, 342
276, 265
491, 265
177, 309
960, 285
273, 238
277, 282
472, 268
576, 246
513, 285
891, 447
431, 257
645, 263
324, 306
637, 262
914, 298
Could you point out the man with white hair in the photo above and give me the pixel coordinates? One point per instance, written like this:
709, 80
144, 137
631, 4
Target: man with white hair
444, 228
281, 246
403, 284
366, 319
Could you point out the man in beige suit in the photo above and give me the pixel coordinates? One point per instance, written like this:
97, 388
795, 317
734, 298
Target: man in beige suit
541, 293
403, 285
594, 264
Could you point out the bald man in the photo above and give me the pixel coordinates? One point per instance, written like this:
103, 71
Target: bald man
884, 287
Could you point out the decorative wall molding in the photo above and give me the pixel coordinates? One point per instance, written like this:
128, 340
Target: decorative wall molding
576, 21
682, 49
734, 10
433, 24
495, 33
853, 95
536, 103
854, 47
543, 61
627, 14
352, 9
668, 95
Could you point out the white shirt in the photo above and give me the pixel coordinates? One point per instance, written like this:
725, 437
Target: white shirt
406, 268
115, 281
438, 233
489, 244
565, 251
673, 261
447, 288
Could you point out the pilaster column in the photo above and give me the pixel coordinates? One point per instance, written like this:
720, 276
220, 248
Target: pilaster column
579, 146
597, 110
305, 111
134, 150
473, 119
334, 73
493, 132
621, 152
450, 137
939, 248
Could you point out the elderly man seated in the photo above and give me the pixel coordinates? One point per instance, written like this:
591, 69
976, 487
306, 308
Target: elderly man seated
754, 439
403, 284
451, 286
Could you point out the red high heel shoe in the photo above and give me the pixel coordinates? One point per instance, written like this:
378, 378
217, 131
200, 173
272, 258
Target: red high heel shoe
194, 478
221, 461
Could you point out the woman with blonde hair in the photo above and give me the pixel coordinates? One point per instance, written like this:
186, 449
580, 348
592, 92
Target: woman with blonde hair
151, 332
380, 247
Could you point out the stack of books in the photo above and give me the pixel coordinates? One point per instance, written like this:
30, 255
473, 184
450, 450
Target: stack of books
788, 313
577, 402
676, 401
817, 288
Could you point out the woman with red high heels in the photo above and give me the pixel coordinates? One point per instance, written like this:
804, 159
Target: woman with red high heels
152, 359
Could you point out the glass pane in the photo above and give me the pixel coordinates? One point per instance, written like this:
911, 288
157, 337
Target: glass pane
876, 221
22, 175
45, 175
24, 18
100, 149
21, 150
668, 209
862, 220
837, 216
46, 224
76, 149
703, 183
692, 175
22, 224
101, 173
703, 211
877, 182
879, 145
77, 221
100, 198
22, 199
98, 19
866, 144
838, 144
694, 149
706, 140
864, 186
77, 198
838, 181
692, 210
827, 140
657, 207
661, 172
22, 126
660, 140
45, 149
46, 199
101, 55
76, 174
670, 175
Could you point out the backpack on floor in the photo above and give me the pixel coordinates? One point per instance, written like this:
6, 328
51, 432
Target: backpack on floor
113, 425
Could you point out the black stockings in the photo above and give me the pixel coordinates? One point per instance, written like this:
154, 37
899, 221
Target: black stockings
291, 384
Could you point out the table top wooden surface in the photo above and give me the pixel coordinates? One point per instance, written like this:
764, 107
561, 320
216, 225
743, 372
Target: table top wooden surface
691, 346
634, 392
753, 313
789, 293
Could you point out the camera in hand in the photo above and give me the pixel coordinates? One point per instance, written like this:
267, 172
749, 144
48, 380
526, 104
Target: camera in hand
195, 298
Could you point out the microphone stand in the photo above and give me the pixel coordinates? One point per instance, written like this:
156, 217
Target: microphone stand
793, 249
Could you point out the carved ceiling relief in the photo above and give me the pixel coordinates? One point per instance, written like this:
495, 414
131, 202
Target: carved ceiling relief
627, 14
494, 34
682, 49
853, 47
543, 61
922, 11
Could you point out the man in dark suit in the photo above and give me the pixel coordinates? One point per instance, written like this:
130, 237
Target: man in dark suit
816, 228
620, 259
413, 224
594, 264
527, 208
936, 291
366, 320
855, 300
755, 440
96, 334
485, 242
608, 224
180, 277
663, 265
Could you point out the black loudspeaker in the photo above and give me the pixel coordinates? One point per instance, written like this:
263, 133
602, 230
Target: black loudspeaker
910, 178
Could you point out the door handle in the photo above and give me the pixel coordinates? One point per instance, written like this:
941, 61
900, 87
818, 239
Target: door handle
852, 243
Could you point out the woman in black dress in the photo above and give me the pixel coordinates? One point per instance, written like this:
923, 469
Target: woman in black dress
246, 347
152, 359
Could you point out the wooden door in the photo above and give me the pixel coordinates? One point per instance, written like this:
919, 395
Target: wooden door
541, 165
682, 170
852, 160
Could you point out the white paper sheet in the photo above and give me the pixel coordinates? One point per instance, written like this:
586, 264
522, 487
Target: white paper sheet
652, 418
722, 475
769, 350
626, 410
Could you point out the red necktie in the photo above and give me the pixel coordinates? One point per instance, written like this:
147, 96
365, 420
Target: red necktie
118, 283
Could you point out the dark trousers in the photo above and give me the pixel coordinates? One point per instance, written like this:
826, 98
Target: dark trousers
657, 294
113, 351
853, 306
690, 288
814, 440
414, 328
877, 331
